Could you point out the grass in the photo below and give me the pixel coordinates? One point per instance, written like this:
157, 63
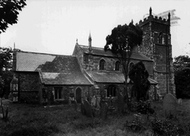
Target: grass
30, 120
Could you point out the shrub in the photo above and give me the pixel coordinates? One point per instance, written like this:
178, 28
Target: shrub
142, 107
167, 127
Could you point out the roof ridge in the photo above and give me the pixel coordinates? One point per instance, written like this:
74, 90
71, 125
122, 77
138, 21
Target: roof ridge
46, 53
92, 46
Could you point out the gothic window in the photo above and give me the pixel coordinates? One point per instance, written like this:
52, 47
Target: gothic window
160, 38
117, 65
58, 93
111, 91
163, 39
156, 39
102, 64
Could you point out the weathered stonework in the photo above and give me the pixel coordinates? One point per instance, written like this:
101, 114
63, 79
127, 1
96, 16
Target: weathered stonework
29, 87
157, 46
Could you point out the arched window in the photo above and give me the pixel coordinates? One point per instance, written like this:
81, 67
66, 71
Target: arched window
163, 39
111, 91
102, 64
117, 65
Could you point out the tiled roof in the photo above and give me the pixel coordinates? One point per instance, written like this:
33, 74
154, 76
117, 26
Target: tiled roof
53, 69
101, 52
110, 77
30, 61
106, 77
63, 70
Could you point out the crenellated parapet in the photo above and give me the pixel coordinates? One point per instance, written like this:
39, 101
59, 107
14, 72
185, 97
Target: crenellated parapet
155, 19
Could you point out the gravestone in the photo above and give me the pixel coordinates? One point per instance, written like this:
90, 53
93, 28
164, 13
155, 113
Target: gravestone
169, 105
120, 103
98, 99
88, 109
83, 109
93, 101
104, 109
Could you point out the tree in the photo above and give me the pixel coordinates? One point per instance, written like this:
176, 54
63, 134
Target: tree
182, 82
182, 76
6, 61
121, 42
139, 77
181, 62
9, 10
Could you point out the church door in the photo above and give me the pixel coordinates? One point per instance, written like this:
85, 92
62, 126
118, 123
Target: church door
78, 95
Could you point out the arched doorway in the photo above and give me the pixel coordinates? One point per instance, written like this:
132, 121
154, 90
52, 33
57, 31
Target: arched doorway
78, 95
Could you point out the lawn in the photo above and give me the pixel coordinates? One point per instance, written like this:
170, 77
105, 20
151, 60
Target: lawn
35, 120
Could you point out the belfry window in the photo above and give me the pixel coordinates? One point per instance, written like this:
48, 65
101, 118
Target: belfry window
102, 64
163, 39
117, 65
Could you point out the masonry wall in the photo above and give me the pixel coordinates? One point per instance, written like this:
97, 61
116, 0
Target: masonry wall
157, 46
29, 86
86, 92
92, 63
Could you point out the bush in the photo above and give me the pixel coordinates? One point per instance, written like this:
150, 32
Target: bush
136, 125
167, 127
142, 107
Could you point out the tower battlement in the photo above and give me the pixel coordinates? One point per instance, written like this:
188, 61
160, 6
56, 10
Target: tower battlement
154, 19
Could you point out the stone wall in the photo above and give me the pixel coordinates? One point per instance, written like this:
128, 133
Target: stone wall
86, 91
29, 86
157, 46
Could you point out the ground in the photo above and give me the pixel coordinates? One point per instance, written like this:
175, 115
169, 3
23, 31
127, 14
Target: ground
64, 120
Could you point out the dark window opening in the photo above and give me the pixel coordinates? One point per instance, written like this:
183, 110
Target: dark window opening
102, 65
58, 92
117, 65
111, 91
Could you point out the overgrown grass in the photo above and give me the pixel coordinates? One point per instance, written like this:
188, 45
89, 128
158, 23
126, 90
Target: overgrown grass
35, 120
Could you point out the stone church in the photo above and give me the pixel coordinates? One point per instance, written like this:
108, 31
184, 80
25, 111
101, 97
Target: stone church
40, 77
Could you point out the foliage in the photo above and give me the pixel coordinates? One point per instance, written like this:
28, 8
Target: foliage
9, 10
182, 76
6, 62
122, 41
143, 107
181, 62
139, 77
182, 82
167, 127
136, 125
65, 120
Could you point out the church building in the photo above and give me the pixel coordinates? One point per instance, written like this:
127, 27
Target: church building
92, 71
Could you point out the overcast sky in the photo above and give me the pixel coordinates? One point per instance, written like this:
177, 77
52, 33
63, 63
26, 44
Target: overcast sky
52, 26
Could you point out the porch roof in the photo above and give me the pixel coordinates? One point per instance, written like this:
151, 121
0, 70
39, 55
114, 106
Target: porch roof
111, 77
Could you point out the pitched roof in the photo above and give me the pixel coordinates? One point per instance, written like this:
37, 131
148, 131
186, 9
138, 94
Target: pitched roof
53, 69
63, 70
100, 51
30, 61
106, 77
111, 77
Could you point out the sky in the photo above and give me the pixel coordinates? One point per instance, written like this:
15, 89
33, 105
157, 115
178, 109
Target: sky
52, 26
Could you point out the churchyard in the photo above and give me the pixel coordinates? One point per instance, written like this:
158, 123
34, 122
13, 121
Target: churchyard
67, 120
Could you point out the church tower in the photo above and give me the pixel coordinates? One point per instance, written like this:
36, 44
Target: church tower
157, 46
